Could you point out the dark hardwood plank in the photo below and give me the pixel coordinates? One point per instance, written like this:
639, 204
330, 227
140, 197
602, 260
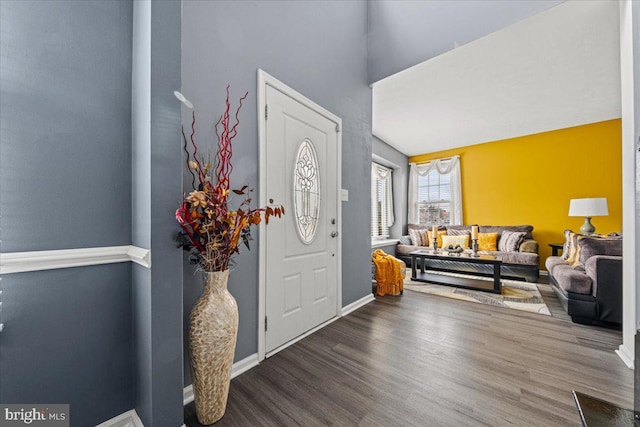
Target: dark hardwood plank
419, 359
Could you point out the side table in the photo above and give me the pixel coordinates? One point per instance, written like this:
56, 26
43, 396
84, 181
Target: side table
555, 247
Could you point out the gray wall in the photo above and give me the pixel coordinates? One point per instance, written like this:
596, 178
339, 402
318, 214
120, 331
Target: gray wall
386, 155
106, 338
65, 169
157, 172
317, 48
404, 33
66, 68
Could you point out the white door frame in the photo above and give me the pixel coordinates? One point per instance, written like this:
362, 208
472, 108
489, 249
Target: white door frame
265, 80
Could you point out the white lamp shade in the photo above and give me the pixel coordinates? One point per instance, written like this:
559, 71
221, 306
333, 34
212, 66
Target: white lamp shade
589, 207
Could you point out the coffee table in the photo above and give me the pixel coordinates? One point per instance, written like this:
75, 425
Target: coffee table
448, 264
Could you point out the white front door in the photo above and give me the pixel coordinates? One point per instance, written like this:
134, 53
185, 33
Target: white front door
301, 257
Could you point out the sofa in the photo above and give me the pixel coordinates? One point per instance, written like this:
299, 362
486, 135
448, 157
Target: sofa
587, 278
520, 263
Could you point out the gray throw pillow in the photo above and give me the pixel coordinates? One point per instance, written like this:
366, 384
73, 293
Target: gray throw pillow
589, 246
405, 240
510, 241
459, 232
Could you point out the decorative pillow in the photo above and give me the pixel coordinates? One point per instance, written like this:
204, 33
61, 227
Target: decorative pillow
425, 237
589, 246
416, 237
510, 241
459, 232
440, 234
405, 240
572, 247
488, 241
462, 240
566, 248
502, 228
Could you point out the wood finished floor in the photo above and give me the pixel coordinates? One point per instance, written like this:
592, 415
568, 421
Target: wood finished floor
424, 360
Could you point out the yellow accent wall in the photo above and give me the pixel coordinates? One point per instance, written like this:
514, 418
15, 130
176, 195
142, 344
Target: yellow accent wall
530, 179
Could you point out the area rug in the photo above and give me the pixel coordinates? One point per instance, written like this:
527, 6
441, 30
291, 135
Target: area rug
517, 295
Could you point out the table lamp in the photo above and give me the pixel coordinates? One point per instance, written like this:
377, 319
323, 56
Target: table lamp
588, 208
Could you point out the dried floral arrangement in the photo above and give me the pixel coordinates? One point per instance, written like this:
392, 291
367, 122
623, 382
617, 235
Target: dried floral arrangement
211, 229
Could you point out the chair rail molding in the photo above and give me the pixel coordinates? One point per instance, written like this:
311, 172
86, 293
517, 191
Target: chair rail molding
19, 262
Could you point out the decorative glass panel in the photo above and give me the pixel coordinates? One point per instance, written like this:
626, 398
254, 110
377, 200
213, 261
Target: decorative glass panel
306, 191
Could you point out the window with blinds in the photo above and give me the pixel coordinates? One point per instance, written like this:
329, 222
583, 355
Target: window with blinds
381, 201
434, 198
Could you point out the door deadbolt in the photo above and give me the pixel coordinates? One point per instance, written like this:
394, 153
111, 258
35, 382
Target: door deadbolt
334, 234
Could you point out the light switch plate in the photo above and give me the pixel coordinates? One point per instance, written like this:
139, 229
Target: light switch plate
345, 195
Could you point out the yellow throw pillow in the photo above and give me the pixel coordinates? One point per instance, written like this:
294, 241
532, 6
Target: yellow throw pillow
440, 234
487, 241
455, 240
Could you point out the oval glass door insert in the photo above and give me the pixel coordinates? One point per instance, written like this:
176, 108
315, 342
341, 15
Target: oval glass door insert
306, 191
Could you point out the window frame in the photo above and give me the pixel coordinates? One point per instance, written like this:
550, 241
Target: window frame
379, 209
435, 204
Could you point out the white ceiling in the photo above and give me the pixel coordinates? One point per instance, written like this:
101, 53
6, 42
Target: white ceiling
557, 69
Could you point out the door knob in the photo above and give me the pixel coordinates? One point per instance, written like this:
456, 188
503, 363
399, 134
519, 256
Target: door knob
334, 234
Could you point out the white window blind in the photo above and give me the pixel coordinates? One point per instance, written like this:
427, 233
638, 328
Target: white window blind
381, 201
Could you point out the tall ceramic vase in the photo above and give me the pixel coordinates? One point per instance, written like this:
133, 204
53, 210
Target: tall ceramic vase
212, 338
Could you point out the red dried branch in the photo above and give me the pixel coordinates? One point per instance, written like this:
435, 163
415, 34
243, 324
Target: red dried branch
210, 227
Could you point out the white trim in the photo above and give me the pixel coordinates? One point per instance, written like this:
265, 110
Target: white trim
357, 304
383, 242
128, 419
18, 262
265, 79
242, 366
544, 273
262, 191
300, 337
239, 367
625, 355
187, 394
629, 302
140, 256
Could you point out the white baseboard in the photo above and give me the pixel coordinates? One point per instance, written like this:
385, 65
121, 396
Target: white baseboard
544, 273
128, 419
626, 356
242, 366
187, 394
301, 337
239, 367
357, 304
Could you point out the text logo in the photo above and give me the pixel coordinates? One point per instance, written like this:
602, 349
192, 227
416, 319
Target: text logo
34, 415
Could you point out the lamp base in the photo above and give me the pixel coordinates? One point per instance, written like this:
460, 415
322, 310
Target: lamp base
587, 227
